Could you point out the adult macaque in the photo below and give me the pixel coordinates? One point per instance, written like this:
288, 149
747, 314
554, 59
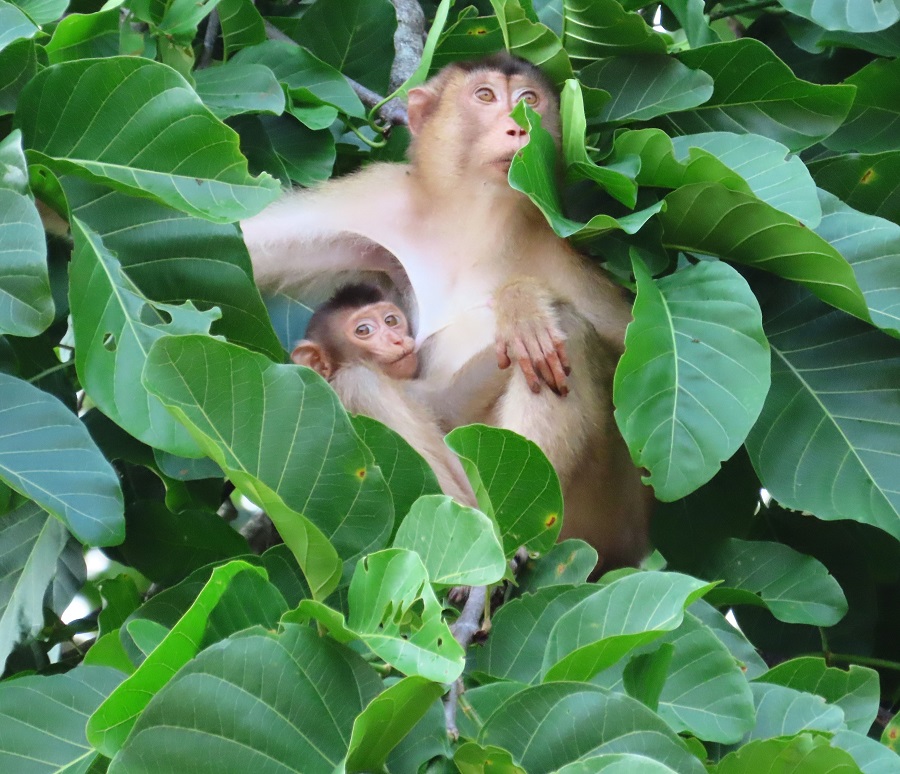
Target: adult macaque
360, 342
491, 282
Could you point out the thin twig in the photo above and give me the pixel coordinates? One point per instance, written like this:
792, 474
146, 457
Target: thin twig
758, 5
209, 39
468, 623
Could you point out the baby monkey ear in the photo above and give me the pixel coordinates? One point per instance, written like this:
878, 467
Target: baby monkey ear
308, 353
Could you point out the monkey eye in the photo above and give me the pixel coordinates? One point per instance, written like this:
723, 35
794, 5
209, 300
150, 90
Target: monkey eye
484, 94
364, 330
391, 320
530, 97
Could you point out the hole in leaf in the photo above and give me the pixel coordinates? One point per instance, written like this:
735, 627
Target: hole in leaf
109, 342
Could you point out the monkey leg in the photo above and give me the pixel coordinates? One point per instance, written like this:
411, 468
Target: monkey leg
606, 503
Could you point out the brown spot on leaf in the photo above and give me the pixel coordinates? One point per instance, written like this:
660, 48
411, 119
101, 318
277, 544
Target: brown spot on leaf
551, 520
361, 473
868, 176
477, 31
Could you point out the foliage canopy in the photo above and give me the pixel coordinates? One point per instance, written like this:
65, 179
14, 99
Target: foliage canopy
734, 163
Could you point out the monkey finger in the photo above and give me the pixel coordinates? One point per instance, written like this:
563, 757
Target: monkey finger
559, 374
527, 367
503, 359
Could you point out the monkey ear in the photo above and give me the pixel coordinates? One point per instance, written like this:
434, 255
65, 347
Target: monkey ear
421, 103
308, 353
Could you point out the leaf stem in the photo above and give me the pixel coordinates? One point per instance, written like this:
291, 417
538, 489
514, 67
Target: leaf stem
51, 370
754, 5
852, 658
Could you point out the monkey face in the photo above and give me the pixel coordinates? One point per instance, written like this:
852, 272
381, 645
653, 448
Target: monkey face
379, 333
485, 99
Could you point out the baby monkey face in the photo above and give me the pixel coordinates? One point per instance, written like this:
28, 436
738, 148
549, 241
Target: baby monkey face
380, 333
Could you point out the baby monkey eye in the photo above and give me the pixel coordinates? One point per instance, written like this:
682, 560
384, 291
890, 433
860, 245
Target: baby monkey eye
484, 94
364, 330
391, 320
530, 97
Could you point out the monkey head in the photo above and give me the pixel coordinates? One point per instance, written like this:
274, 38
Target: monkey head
460, 119
358, 324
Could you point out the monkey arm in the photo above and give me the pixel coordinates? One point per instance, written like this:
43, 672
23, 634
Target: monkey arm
363, 390
528, 332
343, 225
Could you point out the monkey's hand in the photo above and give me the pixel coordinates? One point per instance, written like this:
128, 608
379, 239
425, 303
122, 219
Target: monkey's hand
528, 333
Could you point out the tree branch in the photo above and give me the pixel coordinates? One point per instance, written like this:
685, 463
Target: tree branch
409, 40
468, 623
209, 39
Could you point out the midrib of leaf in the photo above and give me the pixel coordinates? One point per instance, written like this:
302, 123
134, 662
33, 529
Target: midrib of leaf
827, 415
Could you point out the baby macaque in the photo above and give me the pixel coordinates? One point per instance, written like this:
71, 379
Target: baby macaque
360, 342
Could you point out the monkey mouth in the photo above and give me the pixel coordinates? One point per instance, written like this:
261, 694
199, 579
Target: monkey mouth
402, 357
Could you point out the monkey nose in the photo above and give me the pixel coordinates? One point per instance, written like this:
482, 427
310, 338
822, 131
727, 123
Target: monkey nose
518, 131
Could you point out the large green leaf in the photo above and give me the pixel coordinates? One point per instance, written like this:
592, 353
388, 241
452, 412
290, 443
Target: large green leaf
387, 719
794, 587
295, 454
771, 173
394, 612
240, 88
43, 719
825, 441
35, 541
594, 29
519, 632
47, 454
617, 763
706, 693
741, 649
534, 173
242, 25
114, 326
114, 718
756, 92
80, 36
43, 11
870, 756
308, 79
353, 36
457, 544
18, 65
14, 25
643, 87
874, 120
856, 691
783, 711
26, 306
174, 18
138, 126
747, 163
694, 374
805, 753
527, 38
629, 612
866, 183
872, 247
709, 218
407, 475
548, 726
569, 561
284, 144
617, 178
514, 483
855, 16
173, 257
257, 702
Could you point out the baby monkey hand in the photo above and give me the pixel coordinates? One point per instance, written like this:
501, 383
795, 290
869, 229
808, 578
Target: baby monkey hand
528, 333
